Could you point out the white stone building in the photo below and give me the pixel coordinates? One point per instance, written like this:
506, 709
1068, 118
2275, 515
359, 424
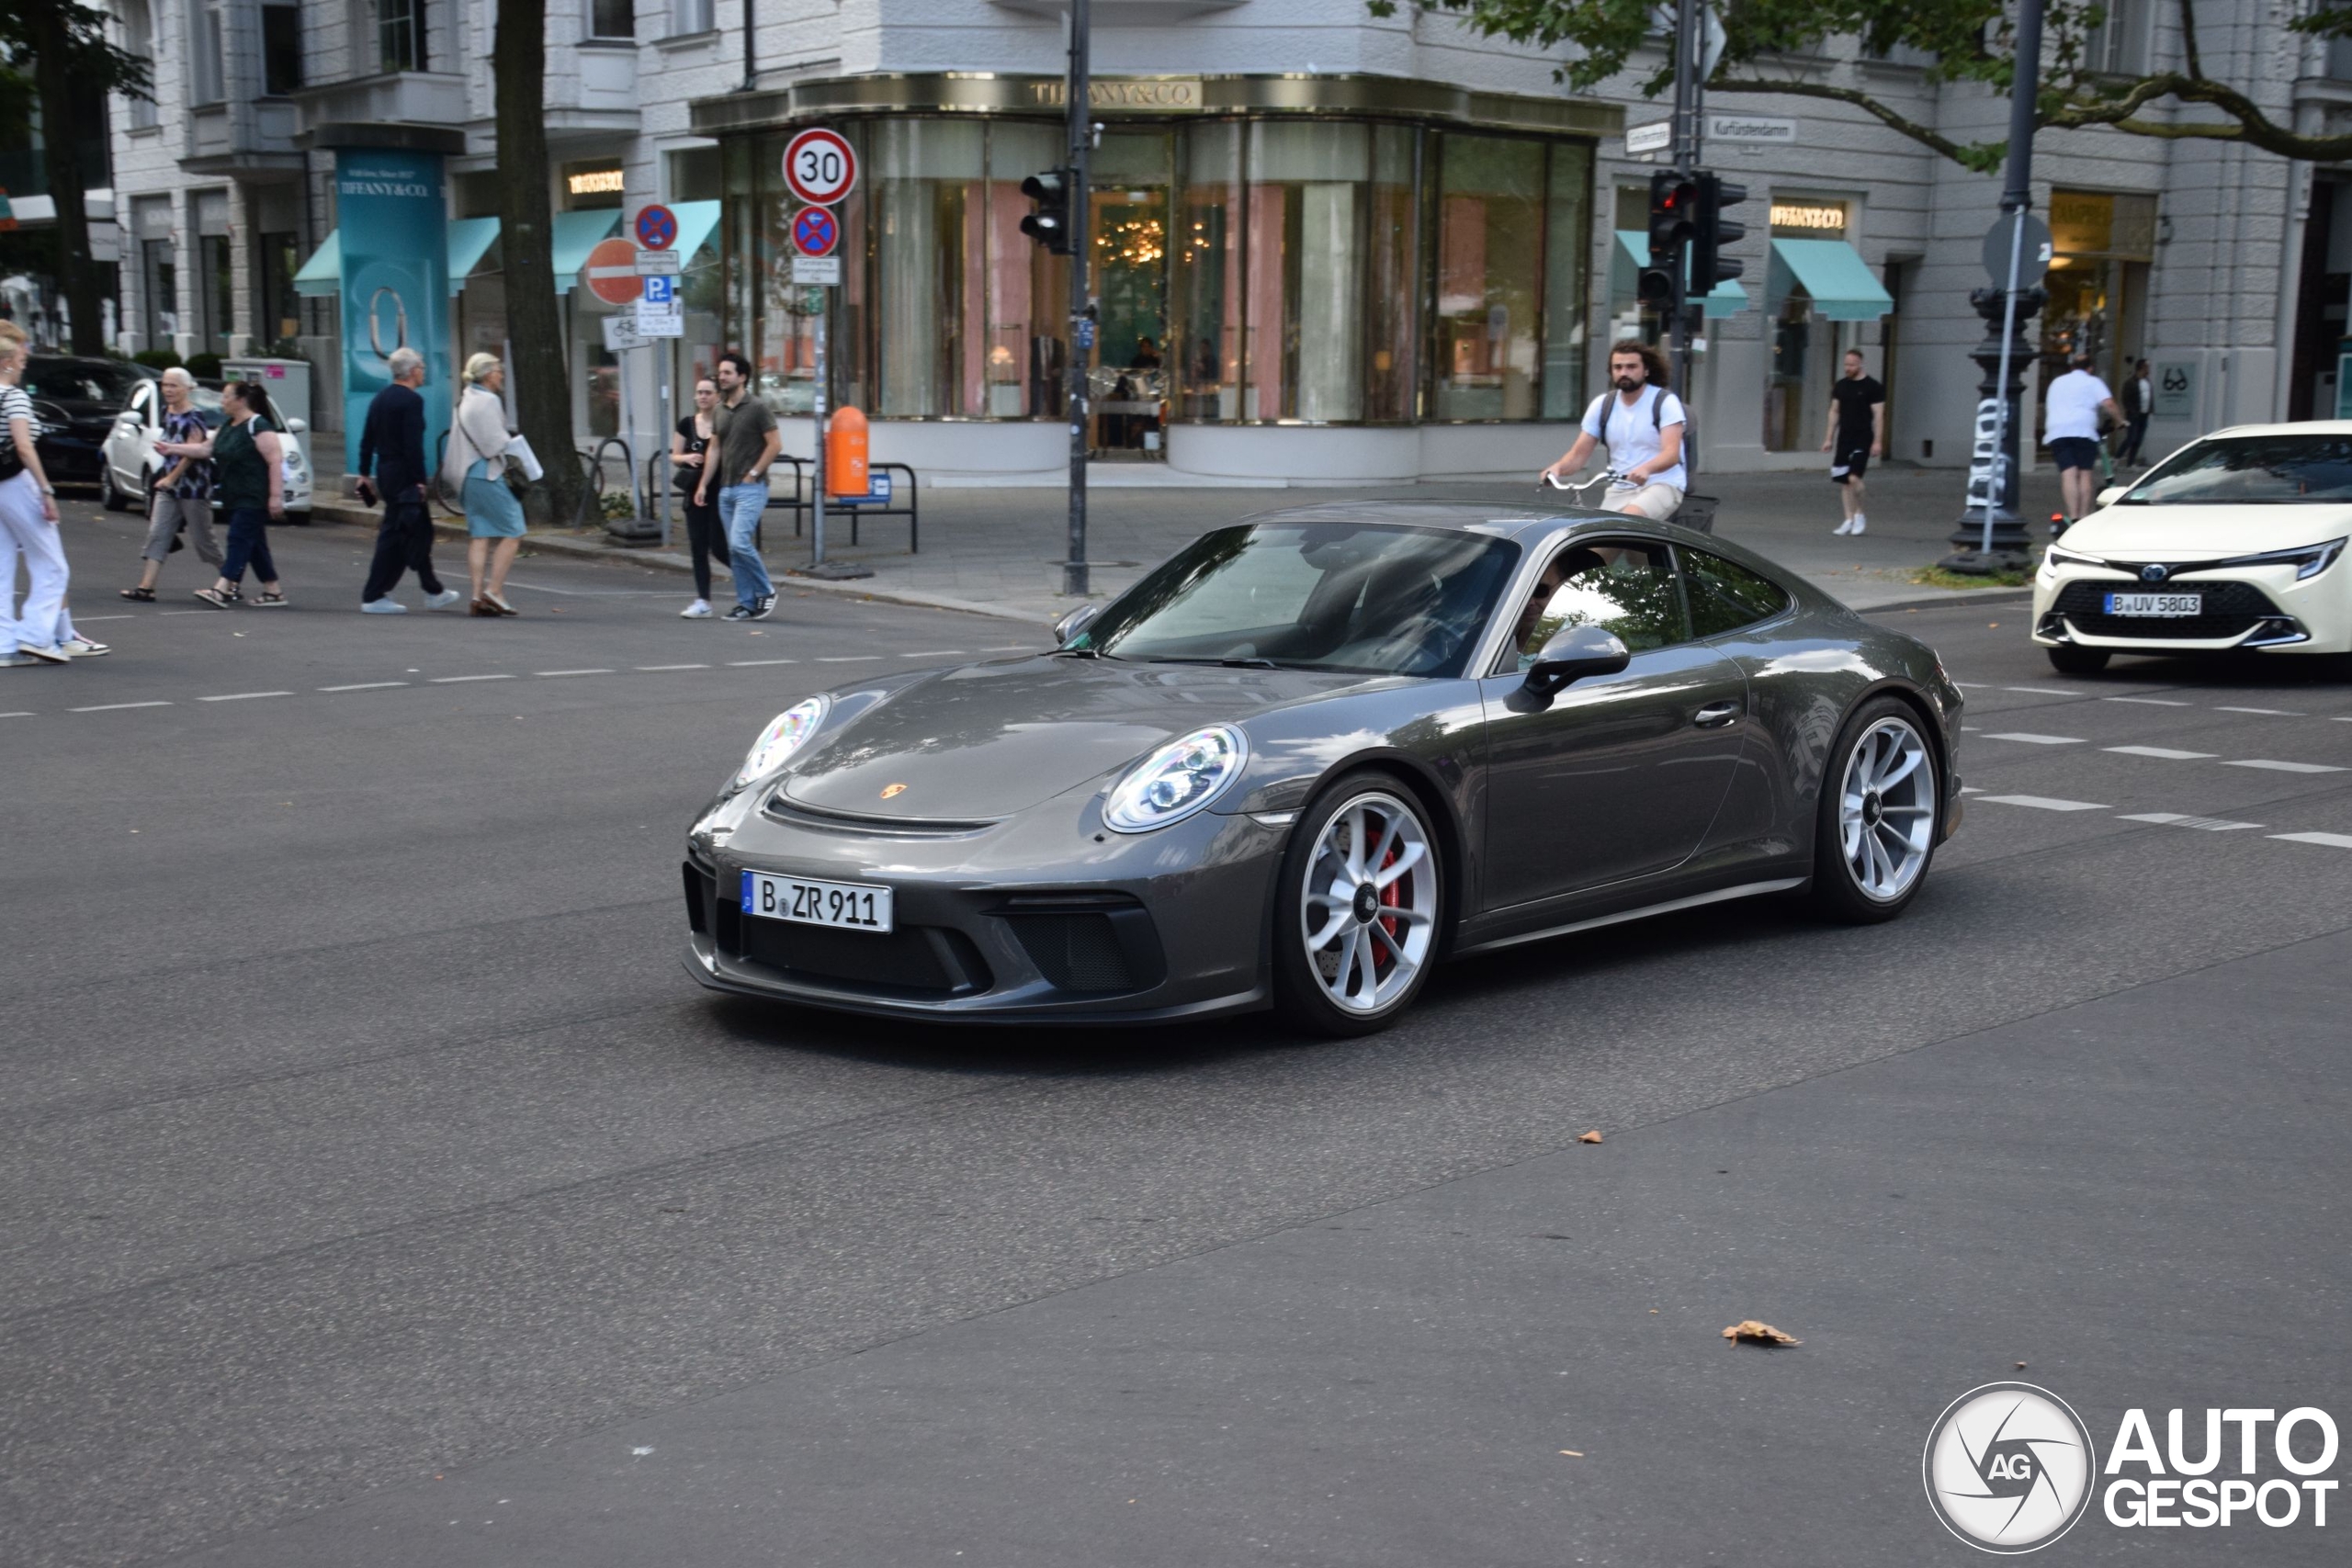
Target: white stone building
1360, 248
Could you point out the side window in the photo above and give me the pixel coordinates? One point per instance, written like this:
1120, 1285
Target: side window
1625, 587
1725, 596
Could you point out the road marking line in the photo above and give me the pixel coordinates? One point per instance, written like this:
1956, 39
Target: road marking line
2278, 767
187, 611
240, 696
2166, 753
651, 669
2032, 739
453, 680
2043, 802
118, 707
756, 663
2332, 840
2175, 819
551, 674
936, 653
1008, 648
847, 657
1970, 789
366, 686
25, 715
2151, 701
2042, 690
79, 619
2273, 713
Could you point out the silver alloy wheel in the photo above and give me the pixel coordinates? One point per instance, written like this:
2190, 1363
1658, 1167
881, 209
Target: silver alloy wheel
1368, 909
1886, 809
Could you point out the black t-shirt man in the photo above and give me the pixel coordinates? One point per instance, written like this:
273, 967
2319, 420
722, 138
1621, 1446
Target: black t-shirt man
1855, 396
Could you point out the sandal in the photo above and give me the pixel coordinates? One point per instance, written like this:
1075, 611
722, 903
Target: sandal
215, 598
482, 607
140, 595
499, 604
269, 601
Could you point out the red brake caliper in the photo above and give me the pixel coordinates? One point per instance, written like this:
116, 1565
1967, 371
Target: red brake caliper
1393, 898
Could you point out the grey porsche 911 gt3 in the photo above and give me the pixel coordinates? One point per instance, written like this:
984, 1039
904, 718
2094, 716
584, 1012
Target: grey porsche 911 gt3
1316, 752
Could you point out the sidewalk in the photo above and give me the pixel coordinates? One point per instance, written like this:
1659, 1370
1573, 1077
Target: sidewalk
998, 551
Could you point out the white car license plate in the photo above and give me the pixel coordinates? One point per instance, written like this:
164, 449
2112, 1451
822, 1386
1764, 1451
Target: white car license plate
2155, 604
852, 906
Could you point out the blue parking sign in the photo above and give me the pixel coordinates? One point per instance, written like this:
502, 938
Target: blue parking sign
661, 290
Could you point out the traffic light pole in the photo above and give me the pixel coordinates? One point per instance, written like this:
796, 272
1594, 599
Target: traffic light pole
1689, 91
1082, 315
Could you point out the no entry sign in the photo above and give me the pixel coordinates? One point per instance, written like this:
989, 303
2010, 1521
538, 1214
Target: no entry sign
657, 228
819, 167
814, 233
610, 272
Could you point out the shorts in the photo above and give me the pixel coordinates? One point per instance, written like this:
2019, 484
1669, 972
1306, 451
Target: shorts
2075, 452
1657, 503
1855, 464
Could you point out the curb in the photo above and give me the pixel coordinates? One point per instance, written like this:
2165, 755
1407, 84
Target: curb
670, 561
1956, 596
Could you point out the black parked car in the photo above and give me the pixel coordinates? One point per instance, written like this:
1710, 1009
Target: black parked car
76, 401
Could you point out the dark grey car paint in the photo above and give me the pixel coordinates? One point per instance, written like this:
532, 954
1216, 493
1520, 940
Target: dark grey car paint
1626, 793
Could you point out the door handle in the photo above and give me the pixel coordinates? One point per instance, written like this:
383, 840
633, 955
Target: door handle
1714, 716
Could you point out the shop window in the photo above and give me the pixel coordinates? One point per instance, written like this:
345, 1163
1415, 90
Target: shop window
694, 175
1207, 345
2102, 245
1489, 255
281, 49
160, 285
217, 301
277, 307
1566, 246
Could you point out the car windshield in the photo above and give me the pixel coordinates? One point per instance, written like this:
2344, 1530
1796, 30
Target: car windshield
1359, 598
80, 381
2252, 470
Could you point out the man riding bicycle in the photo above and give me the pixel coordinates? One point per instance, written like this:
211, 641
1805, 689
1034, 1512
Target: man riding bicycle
1640, 423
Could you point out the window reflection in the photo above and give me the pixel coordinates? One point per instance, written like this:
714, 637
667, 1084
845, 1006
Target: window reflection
1489, 246
1627, 590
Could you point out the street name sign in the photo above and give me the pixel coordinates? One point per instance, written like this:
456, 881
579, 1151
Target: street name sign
819, 167
1655, 136
1751, 131
651, 263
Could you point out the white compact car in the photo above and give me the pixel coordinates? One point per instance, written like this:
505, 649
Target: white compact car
130, 461
2232, 543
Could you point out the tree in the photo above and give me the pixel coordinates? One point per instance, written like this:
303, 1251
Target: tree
1965, 40
518, 63
65, 43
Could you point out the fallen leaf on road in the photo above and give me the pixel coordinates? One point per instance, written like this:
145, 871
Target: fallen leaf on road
1754, 1333
1572, 1453
1591, 1137
2020, 1366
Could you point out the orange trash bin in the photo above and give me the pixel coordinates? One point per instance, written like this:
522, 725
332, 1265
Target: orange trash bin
846, 465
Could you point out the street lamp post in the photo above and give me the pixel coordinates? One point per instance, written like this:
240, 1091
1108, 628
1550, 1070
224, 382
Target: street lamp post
1081, 308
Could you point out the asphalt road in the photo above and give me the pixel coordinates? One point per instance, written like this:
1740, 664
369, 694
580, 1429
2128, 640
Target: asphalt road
379, 1190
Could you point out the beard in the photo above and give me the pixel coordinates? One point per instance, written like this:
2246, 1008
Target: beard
1627, 383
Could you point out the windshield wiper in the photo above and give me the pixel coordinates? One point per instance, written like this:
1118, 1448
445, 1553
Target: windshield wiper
1252, 662
1083, 653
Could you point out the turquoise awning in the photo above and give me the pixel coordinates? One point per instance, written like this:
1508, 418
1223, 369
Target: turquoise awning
576, 234
1631, 253
469, 240
322, 275
469, 237
1833, 275
696, 220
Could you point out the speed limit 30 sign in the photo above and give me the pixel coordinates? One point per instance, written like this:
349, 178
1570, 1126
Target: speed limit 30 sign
819, 167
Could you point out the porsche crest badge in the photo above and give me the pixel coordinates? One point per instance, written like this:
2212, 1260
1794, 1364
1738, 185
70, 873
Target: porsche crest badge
889, 791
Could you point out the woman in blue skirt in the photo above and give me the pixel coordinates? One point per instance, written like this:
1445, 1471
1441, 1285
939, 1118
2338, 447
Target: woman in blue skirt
475, 467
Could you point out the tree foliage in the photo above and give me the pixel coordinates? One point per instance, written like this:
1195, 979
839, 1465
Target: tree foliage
1774, 46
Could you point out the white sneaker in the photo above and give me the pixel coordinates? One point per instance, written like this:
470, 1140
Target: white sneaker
383, 607
697, 611
1845, 527
443, 600
79, 647
49, 654
1861, 524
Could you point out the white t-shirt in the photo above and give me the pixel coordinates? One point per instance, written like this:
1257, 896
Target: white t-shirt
2073, 406
1635, 434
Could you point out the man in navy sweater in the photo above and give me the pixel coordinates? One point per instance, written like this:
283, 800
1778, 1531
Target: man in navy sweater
391, 463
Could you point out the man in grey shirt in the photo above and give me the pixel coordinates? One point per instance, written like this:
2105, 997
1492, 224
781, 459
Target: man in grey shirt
746, 441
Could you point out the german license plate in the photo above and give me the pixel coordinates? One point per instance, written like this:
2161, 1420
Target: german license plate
2155, 604
850, 906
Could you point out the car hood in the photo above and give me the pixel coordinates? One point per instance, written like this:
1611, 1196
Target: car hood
2203, 533
987, 740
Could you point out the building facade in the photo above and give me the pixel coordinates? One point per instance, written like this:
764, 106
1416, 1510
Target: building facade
1329, 246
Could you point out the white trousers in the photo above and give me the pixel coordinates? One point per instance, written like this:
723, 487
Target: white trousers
24, 532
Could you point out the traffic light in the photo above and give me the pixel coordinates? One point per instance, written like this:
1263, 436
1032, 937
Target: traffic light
1049, 225
1711, 231
1673, 206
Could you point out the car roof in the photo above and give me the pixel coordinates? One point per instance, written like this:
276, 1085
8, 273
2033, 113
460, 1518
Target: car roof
2301, 427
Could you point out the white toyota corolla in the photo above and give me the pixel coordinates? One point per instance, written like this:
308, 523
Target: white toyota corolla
2234, 543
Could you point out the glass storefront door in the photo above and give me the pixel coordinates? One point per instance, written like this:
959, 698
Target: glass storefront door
1128, 212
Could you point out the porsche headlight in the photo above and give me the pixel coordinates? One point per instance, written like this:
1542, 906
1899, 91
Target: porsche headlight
785, 734
1175, 781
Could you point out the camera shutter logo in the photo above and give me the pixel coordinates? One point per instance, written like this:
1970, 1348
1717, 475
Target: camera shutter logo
2009, 1467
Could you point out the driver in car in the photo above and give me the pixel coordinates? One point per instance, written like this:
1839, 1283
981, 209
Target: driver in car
1528, 635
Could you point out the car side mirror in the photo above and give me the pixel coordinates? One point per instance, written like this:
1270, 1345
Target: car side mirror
1076, 620
1574, 653
296, 426
2110, 496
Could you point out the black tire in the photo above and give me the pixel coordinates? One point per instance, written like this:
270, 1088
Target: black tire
1300, 992
1838, 892
111, 498
2078, 660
